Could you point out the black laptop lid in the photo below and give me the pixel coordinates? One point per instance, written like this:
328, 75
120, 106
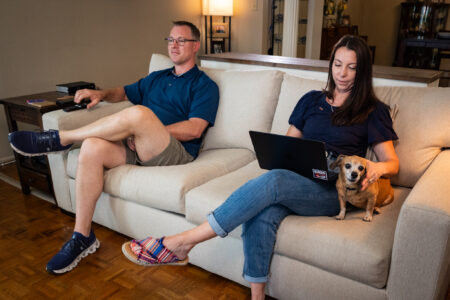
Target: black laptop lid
305, 157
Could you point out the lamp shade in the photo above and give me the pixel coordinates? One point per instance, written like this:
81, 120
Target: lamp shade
218, 7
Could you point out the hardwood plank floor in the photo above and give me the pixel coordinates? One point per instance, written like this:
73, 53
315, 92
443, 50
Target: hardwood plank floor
33, 230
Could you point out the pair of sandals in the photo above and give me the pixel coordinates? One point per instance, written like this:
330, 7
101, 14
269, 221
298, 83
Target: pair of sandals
151, 252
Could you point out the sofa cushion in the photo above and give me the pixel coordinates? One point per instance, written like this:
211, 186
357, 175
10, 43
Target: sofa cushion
165, 187
159, 62
247, 102
203, 199
352, 248
292, 89
422, 125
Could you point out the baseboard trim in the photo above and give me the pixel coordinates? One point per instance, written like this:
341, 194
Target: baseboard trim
34, 192
7, 160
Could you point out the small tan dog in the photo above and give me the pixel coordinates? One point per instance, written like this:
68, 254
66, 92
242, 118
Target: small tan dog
352, 172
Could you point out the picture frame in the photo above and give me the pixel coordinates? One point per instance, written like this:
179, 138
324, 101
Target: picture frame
220, 30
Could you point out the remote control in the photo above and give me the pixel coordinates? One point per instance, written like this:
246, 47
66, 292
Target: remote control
82, 105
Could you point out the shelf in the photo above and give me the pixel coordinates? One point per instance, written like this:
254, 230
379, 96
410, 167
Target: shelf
427, 43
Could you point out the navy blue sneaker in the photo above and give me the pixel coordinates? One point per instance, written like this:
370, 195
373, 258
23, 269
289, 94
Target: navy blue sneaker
77, 248
30, 143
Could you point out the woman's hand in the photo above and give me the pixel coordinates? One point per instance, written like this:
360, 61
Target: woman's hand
388, 164
374, 171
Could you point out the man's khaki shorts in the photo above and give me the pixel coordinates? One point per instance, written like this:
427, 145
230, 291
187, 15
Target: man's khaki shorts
174, 154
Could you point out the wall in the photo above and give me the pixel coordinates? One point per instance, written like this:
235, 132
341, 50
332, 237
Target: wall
379, 20
250, 26
109, 42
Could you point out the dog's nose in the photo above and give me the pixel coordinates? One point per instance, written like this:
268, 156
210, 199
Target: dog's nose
354, 174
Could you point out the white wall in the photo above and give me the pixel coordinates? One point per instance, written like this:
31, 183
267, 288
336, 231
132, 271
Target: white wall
249, 27
109, 42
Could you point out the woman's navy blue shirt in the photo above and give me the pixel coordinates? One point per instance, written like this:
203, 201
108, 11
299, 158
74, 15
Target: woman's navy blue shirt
312, 116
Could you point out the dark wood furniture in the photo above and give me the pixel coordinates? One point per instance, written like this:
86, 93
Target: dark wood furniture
33, 171
330, 36
419, 44
424, 76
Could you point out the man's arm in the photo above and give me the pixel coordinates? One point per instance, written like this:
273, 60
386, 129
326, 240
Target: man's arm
110, 95
187, 130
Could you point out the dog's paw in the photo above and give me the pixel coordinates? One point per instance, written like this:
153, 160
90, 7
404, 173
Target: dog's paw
367, 218
340, 217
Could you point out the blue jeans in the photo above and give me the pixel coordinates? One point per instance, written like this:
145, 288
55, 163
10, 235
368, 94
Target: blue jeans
261, 204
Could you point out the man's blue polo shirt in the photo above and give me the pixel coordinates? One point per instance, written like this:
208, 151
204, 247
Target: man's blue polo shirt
175, 98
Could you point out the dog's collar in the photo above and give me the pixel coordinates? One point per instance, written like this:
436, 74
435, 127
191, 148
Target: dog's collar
350, 189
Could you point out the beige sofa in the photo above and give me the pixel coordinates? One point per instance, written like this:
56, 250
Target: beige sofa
404, 253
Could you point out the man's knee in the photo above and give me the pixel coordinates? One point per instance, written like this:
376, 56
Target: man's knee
140, 113
92, 150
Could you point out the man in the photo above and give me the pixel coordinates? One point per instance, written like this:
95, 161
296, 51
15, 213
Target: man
172, 110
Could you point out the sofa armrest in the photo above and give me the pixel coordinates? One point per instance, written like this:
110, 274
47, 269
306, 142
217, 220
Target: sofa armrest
421, 251
62, 120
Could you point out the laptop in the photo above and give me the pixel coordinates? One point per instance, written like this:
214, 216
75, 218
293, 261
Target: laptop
305, 157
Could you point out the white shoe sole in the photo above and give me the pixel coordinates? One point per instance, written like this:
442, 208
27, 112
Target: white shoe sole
91, 249
36, 154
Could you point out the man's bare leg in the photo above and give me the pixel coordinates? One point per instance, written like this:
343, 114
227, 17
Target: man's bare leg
95, 155
103, 149
150, 135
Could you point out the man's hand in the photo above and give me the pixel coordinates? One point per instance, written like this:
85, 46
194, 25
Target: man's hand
95, 95
110, 95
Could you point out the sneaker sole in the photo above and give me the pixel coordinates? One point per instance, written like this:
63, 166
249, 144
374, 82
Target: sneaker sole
92, 248
36, 154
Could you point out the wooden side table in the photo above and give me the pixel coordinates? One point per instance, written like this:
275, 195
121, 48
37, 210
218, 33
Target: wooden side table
33, 171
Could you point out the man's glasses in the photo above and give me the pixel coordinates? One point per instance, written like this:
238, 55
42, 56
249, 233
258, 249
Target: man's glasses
180, 41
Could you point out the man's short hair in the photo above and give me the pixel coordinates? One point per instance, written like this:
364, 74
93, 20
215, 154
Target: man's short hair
194, 30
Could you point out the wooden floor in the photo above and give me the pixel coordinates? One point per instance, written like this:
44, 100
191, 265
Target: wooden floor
33, 230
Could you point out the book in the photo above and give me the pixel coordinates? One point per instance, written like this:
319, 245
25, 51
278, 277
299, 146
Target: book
40, 102
71, 87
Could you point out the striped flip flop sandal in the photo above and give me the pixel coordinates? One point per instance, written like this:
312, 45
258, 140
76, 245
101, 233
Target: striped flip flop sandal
151, 252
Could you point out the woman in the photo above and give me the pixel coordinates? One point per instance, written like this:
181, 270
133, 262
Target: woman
347, 117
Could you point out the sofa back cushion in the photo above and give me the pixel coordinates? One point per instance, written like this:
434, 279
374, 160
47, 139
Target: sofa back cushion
159, 62
247, 102
423, 127
292, 89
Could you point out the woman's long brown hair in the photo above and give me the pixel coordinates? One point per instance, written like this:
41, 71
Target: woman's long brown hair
362, 100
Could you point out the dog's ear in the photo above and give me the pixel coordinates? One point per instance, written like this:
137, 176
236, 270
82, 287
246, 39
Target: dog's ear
337, 162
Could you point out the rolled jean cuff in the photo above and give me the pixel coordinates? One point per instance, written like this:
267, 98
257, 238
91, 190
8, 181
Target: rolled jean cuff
263, 279
215, 226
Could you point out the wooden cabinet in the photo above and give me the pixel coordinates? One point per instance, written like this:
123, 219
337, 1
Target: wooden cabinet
421, 43
33, 171
331, 35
